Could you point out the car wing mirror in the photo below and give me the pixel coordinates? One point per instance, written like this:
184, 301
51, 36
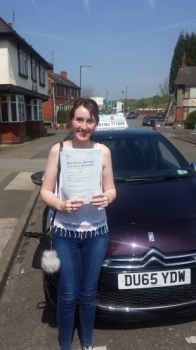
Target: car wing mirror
193, 165
37, 178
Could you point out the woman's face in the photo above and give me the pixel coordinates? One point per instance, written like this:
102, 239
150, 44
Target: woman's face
83, 125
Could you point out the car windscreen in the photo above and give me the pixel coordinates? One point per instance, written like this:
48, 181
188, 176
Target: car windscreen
145, 157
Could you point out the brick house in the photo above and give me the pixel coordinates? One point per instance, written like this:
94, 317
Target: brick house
23, 88
62, 93
185, 91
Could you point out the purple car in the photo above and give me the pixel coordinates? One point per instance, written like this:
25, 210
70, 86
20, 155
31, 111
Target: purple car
132, 115
150, 265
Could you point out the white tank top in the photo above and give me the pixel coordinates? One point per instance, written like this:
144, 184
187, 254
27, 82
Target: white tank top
87, 218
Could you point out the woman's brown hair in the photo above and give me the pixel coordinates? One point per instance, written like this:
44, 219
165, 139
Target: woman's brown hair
89, 104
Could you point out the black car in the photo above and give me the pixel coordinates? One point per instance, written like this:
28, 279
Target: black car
147, 120
150, 265
160, 116
132, 115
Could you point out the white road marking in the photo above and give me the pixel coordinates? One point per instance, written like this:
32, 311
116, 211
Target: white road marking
168, 134
191, 340
21, 182
100, 348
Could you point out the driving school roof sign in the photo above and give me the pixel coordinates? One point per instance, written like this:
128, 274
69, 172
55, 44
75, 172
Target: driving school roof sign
112, 121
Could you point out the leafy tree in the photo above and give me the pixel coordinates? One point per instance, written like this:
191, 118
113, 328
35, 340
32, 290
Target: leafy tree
88, 91
186, 44
190, 121
176, 61
143, 103
156, 101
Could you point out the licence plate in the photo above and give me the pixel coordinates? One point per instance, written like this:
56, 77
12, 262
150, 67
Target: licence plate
154, 279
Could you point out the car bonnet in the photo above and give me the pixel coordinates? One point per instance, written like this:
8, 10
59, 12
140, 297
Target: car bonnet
163, 201
160, 216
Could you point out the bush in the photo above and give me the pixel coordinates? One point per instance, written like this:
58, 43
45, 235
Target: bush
62, 116
189, 123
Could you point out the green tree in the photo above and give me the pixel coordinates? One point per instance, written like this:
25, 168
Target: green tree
176, 61
186, 44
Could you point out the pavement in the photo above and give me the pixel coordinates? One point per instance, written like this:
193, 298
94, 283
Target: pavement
18, 194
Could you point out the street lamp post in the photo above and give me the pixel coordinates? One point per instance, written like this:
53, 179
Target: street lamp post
126, 95
81, 75
123, 101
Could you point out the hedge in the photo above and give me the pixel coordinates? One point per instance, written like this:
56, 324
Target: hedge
62, 116
190, 121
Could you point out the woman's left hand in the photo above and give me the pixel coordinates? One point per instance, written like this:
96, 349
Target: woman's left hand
100, 200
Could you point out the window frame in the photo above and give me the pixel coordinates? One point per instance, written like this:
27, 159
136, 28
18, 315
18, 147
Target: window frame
42, 77
22, 63
33, 69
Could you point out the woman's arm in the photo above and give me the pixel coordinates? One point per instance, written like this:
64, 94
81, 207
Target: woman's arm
50, 178
109, 191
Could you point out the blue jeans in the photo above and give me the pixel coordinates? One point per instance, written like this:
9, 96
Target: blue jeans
81, 261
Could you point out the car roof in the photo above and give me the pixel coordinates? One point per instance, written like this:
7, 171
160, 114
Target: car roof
125, 132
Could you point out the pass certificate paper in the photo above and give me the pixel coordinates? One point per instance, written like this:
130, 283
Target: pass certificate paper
81, 173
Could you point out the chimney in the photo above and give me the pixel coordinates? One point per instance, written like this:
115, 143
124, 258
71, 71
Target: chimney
10, 24
64, 74
183, 65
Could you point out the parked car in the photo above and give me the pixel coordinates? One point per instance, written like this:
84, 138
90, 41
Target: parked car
132, 115
160, 116
147, 120
150, 265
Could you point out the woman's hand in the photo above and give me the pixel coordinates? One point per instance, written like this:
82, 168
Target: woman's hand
100, 200
71, 205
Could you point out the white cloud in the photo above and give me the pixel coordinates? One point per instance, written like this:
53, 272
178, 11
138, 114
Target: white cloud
86, 4
151, 2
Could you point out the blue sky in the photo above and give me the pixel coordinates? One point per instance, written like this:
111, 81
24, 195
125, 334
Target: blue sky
127, 42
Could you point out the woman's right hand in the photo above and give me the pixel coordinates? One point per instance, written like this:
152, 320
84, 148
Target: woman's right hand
71, 205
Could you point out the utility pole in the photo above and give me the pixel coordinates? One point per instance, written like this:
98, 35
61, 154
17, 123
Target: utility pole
13, 18
123, 101
52, 59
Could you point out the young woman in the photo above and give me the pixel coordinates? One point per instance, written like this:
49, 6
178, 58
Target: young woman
80, 232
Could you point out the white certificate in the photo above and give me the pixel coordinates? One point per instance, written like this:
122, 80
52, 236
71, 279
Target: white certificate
81, 173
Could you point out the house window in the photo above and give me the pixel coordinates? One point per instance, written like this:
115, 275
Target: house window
28, 111
65, 91
35, 112
21, 108
42, 75
193, 92
4, 109
192, 109
13, 108
185, 113
186, 92
40, 109
55, 89
33, 69
37, 109
23, 66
